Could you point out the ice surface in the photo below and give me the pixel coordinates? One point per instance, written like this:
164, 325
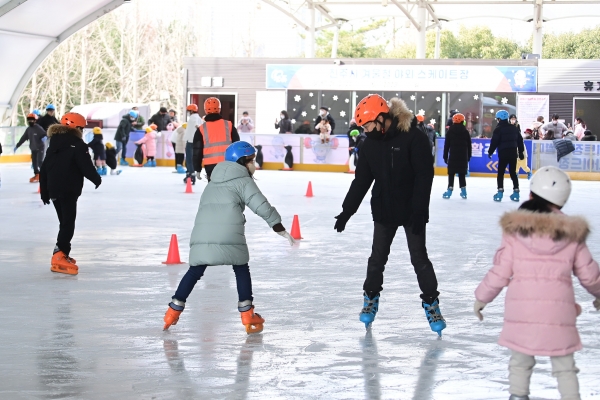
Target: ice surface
99, 335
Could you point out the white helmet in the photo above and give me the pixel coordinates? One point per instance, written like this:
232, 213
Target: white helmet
551, 184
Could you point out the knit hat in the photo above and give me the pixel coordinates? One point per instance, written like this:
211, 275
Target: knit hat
109, 146
97, 130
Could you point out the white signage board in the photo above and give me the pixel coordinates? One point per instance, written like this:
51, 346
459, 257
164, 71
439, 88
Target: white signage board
529, 107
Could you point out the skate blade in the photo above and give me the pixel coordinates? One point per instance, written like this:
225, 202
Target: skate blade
253, 328
368, 326
64, 270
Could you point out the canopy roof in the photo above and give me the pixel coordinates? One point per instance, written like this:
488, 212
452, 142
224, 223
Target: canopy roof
30, 30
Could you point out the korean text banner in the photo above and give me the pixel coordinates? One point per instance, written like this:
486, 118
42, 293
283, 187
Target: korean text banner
449, 78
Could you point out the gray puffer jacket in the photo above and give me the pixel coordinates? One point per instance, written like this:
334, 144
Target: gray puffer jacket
218, 236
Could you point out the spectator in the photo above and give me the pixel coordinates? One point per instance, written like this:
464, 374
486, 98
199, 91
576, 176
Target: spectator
49, 118
513, 120
324, 113
247, 116
284, 124
588, 136
536, 128
324, 130
161, 119
138, 124
528, 134
353, 137
246, 125
580, 128
549, 135
173, 116
449, 121
305, 128
558, 127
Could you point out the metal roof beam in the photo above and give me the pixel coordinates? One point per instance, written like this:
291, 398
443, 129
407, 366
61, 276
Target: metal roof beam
289, 14
432, 12
466, 2
12, 4
407, 13
31, 35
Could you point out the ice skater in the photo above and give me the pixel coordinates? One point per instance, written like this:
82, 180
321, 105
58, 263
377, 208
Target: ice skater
61, 180
122, 134
540, 251
178, 140
111, 159
149, 142
35, 134
509, 142
97, 147
397, 156
193, 122
218, 235
457, 154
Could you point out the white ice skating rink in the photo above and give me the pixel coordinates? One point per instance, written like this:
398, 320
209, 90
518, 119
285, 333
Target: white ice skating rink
99, 335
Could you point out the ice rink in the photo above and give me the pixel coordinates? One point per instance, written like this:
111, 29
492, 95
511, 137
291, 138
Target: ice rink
99, 335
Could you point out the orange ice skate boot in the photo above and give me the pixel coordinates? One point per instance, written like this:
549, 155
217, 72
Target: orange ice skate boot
173, 312
60, 263
253, 322
35, 178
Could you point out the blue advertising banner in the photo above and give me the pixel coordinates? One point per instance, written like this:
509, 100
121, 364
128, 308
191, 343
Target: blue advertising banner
480, 162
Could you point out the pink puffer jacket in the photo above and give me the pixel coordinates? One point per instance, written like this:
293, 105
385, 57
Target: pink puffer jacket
149, 140
538, 255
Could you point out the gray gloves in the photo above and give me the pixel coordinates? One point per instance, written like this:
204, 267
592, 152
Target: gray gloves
479, 305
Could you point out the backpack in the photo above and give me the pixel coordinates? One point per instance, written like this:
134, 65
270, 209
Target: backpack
536, 134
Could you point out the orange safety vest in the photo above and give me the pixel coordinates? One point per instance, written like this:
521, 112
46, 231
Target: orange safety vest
217, 137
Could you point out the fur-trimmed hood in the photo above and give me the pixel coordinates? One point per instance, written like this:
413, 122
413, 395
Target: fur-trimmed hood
62, 130
400, 111
556, 226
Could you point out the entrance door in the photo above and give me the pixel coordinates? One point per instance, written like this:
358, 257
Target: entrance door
228, 104
588, 110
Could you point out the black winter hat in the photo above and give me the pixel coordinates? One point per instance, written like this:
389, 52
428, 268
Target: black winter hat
163, 109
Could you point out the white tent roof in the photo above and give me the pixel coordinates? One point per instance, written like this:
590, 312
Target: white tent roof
30, 30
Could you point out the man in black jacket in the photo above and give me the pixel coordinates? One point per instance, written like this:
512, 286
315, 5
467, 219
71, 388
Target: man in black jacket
49, 118
122, 134
61, 180
397, 156
509, 142
161, 119
324, 114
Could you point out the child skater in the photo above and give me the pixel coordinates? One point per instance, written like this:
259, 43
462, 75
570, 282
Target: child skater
324, 130
111, 159
179, 147
218, 235
99, 153
541, 249
149, 140
458, 145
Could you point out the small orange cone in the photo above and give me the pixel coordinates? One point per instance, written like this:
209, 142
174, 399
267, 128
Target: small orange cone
188, 185
173, 256
309, 192
296, 229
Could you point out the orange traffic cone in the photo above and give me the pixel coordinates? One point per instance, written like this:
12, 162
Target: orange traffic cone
188, 185
296, 229
173, 256
309, 192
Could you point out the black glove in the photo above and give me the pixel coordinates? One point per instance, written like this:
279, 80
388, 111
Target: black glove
45, 199
489, 155
417, 223
446, 160
521, 156
99, 183
341, 222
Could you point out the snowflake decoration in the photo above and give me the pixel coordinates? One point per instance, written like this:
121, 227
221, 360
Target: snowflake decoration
438, 99
313, 106
413, 97
304, 113
476, 97
311, 94
492, 110
347, 100
432, 121
297, 98
342, 113
421, 112
335, 98
410, 111
294, 109
314, 119
397, 95
459, 99
293, 121
504, 100
422, 97
323, 95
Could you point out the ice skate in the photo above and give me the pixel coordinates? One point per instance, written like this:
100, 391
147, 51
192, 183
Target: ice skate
515, 397
463, 193
498, 196
369, 311
253, 322
35, 178
124, 162
62, 264
529, 175
447, 194
116, 172
193, 178
434, 317
515, 196
180, 169
104, 171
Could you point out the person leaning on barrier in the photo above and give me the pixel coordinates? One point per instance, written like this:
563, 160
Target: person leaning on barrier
588, 136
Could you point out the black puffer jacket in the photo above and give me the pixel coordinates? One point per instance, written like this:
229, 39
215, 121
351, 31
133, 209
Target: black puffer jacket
401, 164
67, 162
284, 126
98, 147
34, 134
506, 140
161, 121
47, 121
124, 129
457, 149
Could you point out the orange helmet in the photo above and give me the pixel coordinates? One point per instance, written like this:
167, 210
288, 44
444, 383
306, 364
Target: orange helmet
212, 105
458, 118
73, 120
369, 108
192, 107
153, 126
420, 118
31, 116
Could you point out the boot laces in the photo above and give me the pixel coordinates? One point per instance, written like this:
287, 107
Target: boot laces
371, 305
433, 313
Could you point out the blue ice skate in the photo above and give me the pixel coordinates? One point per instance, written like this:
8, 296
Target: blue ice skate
515, 196
369, 311
498, 196
104, 171
463, 193
124, 162
468, 173
434, 317
180, 169
447, 194
529, 174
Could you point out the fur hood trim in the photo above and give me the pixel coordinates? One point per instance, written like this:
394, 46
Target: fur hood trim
557, 226
62, 130
400, 111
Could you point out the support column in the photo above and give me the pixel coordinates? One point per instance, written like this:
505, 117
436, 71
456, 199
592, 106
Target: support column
538, 21
310, 45
334, 44
438, 35
421, 37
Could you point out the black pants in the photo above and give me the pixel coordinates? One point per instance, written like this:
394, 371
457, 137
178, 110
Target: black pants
209, 170
383, 236
511, 162
37, 157
189, 280
179, 157
462, 179
66, 210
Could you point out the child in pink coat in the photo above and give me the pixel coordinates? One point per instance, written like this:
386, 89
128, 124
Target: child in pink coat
541, 249
149, 140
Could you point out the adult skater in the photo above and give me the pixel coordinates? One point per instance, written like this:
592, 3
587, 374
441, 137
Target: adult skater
193, 122
61, 180
35, 134
212, 138
122, 134
457, 154
397, 156
541, 249
218, 235
506, 140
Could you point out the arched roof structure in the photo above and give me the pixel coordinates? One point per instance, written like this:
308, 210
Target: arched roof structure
30, 30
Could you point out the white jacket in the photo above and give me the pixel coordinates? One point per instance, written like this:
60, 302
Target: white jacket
193, 122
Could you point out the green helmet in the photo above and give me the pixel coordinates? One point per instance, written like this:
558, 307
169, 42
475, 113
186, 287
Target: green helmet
354, 133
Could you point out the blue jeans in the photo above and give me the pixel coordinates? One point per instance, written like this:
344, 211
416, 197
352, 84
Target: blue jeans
122, 146
189, 160
189, 280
